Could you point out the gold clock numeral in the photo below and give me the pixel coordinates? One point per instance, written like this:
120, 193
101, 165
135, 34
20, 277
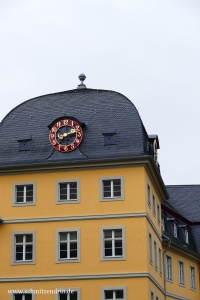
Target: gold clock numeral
54, 142
54, 129
78, 134
65, 122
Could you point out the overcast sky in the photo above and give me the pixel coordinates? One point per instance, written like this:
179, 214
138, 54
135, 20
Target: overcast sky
148, 50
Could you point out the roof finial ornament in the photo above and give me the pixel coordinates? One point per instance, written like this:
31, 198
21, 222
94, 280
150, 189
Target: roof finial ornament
81, 78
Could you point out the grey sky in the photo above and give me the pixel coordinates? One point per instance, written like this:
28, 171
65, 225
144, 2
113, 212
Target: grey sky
148, 50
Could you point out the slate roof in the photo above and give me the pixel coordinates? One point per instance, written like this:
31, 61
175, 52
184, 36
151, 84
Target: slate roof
185, 199
102, 112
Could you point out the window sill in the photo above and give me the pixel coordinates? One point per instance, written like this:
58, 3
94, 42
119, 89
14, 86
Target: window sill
111, 199
16, 204
68, 202
182, 284
70, 260
112, 258
28, 262
169, 280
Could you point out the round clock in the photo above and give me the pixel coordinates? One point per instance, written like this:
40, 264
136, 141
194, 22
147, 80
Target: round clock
65, 135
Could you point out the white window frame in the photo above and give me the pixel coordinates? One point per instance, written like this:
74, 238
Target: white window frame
113, 257
68, 231
158, 213
69, 290
193, 278
68, 200
160, 260
152, 295
114, 289
181, 272
155, 255
168, 267
150, 248
14, 194
112, 197
23, 296
23, 233
154, 204
149, 194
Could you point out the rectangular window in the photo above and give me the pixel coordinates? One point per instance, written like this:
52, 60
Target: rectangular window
150, 248
23, 194
113, 244
22, 297
154, 204
192, 278
68, 191
158, 213
160, 261
168, 267
73, 295
155, 255
181, 272
113, 293
23, 247
152, 295
112, 189
68, 245
148, 194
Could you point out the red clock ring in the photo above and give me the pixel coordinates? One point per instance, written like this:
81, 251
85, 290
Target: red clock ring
76, 128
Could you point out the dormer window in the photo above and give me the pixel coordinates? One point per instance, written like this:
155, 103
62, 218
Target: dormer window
186, 236
163, 223
25, 144
109, 138
175, 230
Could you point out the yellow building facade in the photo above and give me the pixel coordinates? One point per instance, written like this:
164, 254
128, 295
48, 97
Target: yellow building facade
76, 226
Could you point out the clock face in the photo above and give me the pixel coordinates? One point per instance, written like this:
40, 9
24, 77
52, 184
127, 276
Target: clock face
65, 135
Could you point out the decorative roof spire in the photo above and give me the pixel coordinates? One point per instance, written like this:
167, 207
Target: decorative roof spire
81, 78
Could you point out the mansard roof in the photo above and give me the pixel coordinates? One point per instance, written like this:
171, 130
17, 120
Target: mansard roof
185, 199
101, 111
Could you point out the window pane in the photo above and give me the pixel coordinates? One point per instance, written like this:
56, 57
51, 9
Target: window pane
118, 248
74, 296
19, 253
18, 297
108, 295
118, 233
19, 238
119, 294
73, 249
117, 187
63, 191
63, 236
28, 297
20, 188
106, 188
62, 296
108, 248
29, 238
73, 235
108, 233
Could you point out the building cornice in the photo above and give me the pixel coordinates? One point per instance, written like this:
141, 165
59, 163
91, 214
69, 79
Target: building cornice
145, 161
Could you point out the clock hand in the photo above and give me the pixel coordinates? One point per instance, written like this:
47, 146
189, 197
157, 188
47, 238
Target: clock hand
61, 136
